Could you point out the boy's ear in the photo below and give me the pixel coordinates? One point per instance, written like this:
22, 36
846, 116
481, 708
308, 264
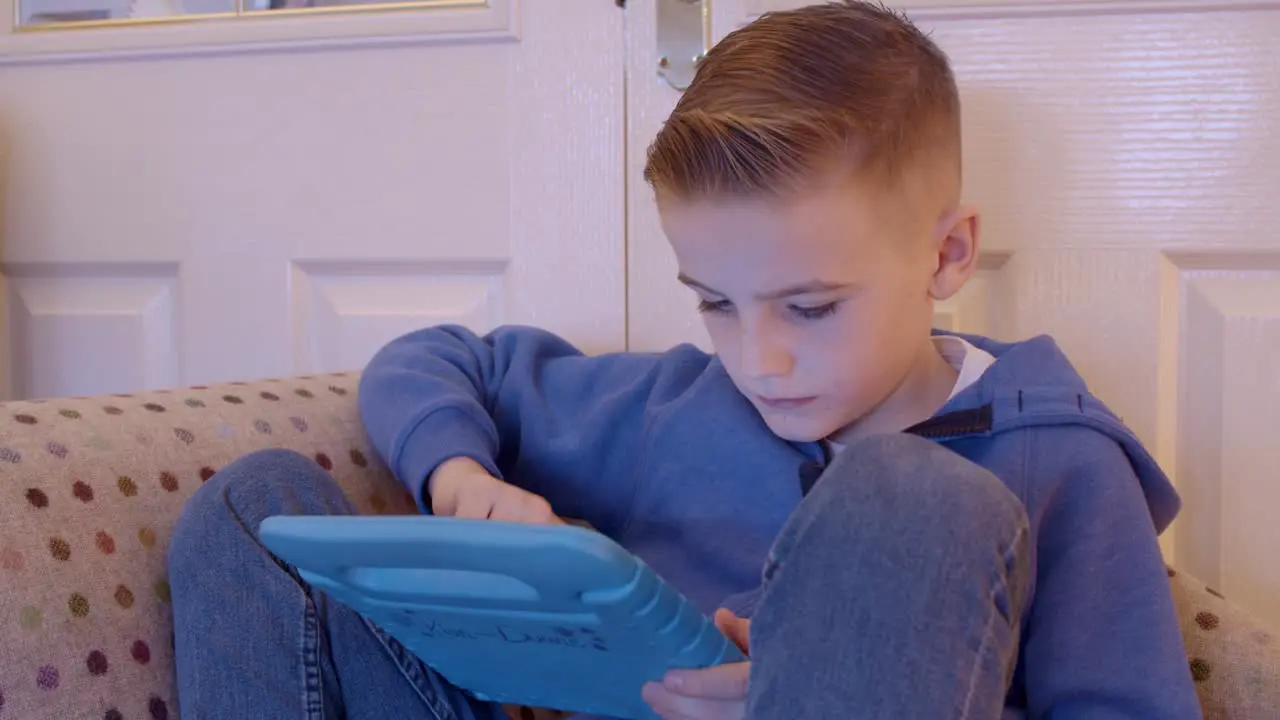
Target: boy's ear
956, 243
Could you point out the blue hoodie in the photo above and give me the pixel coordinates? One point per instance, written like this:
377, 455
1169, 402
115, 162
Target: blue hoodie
662, 453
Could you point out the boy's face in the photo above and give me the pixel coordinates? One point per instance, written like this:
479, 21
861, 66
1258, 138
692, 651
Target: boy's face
819, 306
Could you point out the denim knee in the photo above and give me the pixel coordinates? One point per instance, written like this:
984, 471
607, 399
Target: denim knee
913, 478
890, 489
275, 468
264, 478
904, 555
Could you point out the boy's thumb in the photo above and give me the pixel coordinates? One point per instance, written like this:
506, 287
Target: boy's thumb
735, 628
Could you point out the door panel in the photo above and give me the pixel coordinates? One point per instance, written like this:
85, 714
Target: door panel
1122, 154
233, 215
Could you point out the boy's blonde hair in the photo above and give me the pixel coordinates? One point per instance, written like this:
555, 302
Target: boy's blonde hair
799, 94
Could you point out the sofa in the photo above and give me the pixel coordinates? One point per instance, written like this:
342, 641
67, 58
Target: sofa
90, 487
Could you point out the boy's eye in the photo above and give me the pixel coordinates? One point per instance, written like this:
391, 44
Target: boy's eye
713, 306
815, 312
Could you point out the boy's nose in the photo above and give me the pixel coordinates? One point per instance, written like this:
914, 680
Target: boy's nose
763, 357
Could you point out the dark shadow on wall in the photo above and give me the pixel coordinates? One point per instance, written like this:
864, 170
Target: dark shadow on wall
6, 341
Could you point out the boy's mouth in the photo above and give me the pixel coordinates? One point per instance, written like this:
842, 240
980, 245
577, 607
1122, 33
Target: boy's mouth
778, 403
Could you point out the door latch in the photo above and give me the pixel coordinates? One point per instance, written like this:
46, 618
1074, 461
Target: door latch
684, 37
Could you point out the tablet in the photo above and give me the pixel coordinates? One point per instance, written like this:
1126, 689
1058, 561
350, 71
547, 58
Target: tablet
558, 617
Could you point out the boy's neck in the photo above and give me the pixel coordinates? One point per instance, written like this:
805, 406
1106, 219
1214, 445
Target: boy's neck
925, 388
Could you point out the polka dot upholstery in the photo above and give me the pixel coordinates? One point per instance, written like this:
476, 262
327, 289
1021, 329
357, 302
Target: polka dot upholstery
90, 487
1234, 661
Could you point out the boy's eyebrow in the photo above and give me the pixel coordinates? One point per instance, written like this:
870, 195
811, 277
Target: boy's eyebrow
804, 288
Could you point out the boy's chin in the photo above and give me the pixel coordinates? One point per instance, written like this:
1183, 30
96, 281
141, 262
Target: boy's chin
799, 429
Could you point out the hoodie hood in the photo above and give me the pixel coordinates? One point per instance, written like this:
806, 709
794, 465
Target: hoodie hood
1033, 384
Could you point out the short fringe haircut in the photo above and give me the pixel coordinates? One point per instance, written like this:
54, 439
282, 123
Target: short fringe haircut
846, 86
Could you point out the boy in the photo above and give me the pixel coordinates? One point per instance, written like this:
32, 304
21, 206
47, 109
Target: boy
947, 526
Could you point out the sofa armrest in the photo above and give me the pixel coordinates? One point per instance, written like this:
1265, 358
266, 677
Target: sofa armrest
1235, 660
89, 490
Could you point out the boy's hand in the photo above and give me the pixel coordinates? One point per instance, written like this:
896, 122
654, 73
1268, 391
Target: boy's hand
716, 693
462, 488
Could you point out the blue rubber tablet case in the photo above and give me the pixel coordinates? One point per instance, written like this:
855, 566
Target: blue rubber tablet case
558, 617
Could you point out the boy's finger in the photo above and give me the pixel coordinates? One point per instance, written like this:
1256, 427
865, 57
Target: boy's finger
670, 706
723, 618
734, 628
510, 509
722, 682
522, 507
537, 510
474, 506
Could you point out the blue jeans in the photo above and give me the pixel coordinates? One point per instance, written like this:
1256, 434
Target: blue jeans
895, 590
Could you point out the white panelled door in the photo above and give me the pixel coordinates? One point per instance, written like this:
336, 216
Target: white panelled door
192, 217
1125, 155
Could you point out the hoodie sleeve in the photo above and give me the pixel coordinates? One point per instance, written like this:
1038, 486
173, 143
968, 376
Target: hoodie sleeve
522, 402
1102, 638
